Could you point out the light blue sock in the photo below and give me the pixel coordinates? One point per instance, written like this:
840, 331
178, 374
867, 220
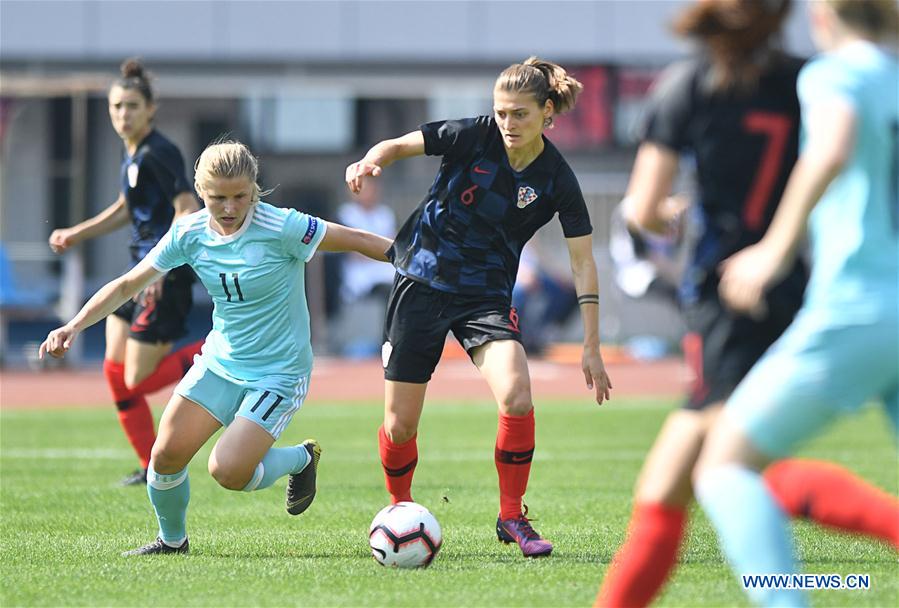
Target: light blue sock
752, 530
277, 463
169, 495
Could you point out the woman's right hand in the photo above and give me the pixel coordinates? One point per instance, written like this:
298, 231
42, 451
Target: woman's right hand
356, 172
58, 342
61, 239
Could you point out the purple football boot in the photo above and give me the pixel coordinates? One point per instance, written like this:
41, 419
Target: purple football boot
519, 530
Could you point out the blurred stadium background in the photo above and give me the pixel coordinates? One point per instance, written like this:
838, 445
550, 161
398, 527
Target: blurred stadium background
310, 86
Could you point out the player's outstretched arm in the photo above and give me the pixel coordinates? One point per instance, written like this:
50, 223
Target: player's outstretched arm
382, 155
343, 238
102, 304
112, 218
586, 283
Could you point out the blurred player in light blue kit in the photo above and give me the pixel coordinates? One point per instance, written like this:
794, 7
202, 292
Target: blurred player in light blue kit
253, 374
843, 348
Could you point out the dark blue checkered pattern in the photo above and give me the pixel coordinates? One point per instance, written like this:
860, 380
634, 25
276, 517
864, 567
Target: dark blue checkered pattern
150, 180
467, 234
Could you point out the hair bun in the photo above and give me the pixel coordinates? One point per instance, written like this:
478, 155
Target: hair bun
132, 68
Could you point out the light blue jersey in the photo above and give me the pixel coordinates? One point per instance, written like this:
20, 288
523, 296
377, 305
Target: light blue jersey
842, 349
854, 228
260, 320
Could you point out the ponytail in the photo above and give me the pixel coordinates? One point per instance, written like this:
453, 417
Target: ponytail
542, 79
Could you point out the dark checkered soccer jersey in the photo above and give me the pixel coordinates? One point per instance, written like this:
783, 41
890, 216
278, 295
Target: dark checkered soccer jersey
744, 144
467, 234
151, 179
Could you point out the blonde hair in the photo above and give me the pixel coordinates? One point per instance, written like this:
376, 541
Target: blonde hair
876, 18
542, 79
228, 159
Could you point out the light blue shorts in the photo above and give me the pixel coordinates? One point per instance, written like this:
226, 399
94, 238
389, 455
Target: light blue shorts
818, 370
269, 402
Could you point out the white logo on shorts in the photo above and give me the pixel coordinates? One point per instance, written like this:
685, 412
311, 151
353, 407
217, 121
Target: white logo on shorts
386, 349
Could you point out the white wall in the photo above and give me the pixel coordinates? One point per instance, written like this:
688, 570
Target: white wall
348, 31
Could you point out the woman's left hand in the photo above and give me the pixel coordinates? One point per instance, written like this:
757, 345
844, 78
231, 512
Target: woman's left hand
595, 375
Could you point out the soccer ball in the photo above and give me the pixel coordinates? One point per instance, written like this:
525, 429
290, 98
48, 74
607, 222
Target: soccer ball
404, 535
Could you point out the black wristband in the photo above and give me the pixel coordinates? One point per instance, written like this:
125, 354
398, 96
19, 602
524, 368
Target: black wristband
590, 298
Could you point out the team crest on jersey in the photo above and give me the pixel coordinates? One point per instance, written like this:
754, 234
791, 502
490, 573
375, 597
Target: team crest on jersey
132, 174
526, 196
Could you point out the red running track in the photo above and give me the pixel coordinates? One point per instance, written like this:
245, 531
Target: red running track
341, 380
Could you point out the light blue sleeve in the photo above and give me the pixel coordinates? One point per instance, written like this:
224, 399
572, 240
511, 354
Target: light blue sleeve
825, 79
168, 252
302, 234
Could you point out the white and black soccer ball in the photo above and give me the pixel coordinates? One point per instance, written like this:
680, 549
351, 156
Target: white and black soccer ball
405, 535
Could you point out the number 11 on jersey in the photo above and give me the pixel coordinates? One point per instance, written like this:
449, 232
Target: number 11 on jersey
224, 278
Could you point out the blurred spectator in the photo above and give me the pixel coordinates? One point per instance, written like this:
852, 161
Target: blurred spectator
364, 277
365, 283
543, 299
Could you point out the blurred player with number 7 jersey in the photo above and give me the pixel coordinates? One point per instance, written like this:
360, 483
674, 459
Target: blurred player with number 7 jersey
734, 108
843, 348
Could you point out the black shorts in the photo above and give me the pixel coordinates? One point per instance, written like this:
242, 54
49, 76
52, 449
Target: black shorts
419, 318
720, 347
164, 320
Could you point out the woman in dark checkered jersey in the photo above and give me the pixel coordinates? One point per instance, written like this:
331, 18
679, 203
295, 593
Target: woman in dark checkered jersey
456, 259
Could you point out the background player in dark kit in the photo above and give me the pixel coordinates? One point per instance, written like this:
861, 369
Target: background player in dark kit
154, 192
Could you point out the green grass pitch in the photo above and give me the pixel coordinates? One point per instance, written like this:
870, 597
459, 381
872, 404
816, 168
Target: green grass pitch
64, 520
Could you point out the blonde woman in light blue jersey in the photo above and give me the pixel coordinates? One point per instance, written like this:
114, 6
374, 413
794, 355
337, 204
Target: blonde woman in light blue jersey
842, 350
253, 373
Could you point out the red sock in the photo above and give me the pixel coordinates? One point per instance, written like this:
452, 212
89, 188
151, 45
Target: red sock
512, 455
645, 560
170, 370
134, 412
399, 462
137, 421
832, 496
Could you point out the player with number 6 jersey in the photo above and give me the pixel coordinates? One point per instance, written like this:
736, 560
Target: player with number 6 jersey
456, 258
253, 373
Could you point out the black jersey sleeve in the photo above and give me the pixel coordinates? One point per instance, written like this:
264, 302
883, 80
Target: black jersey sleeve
573, 214
667, 117
167, 166
454, 138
